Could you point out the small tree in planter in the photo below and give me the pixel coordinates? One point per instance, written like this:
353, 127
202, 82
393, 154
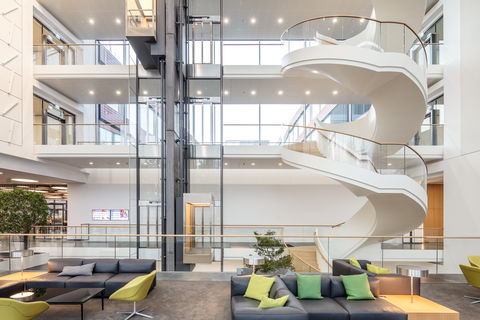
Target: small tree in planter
272, 249
21, 210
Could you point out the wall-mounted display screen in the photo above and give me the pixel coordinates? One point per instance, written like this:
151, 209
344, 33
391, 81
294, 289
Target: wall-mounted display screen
118, 215
100, 215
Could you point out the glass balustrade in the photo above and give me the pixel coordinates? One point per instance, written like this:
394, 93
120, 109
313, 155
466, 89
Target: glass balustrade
429, 135
355, 31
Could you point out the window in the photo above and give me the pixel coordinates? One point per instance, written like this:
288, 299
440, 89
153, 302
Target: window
49, 48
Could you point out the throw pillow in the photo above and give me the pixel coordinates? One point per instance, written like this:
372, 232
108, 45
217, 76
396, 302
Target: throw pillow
83, 270
309, 286
354, 262
267, 302
258, 287
357, 287
377, 270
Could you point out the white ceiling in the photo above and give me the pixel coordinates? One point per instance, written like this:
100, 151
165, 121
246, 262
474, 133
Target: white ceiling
7, 175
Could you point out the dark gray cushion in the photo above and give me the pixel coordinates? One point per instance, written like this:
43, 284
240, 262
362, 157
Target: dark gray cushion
338, 290
119, 280
83, 270
247, 309
136, 265
343, 267
291, 283
48, 280
378, 309
103, 265
325, 309
56, 265
97, 280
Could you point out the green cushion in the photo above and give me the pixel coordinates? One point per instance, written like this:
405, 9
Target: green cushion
355, 263
258, 287
267, 302
377, 270
309, 286
357, 287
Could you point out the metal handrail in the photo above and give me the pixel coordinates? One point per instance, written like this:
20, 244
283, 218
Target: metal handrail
361, 17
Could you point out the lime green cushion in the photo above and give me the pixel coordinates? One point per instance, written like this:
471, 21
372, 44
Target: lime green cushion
377, 270
357, 287
309, 286
355, 263
258, 287
267, 302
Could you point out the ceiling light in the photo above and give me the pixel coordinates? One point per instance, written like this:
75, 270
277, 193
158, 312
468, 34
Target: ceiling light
307, 92
145, 92
118, 92
315, 71
91, 92
90, 163
280, 20
91, 21
334, 20
40, 191
252, 164
199, 92
226, 164
118, 163
226, 93
389, 164
280, 164
335, 92
23, 180
60, 188
1, 172
226, 20
118, 21
253, 92
253, 20
280, 92
362, 20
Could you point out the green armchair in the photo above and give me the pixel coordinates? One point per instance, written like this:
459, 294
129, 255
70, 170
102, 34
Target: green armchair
472, 275
16, 310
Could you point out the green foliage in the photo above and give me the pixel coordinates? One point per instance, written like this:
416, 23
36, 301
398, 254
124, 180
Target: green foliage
20, 210
272, 249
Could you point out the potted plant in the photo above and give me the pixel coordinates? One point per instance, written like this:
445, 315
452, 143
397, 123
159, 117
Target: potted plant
273, 251
21, 210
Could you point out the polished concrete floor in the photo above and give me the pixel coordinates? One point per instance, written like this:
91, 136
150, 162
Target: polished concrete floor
187, 295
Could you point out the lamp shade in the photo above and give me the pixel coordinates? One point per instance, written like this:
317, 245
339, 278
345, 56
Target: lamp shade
412, 271
254, 260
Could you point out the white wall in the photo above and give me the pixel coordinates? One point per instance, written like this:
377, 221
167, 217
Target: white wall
462, 132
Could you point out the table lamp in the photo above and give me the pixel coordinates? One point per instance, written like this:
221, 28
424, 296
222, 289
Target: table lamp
254, 261
412, 272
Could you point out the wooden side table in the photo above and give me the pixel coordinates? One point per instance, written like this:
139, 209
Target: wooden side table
421, 308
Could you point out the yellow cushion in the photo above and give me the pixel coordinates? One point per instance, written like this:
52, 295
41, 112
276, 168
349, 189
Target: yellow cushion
266, 302
136, 289
377, 270
354, 262
16, 310
258, 287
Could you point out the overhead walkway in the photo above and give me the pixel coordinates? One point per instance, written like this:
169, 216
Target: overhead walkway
369, 156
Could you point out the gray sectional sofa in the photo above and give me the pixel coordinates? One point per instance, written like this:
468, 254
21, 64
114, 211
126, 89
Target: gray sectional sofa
334, 305
111, 274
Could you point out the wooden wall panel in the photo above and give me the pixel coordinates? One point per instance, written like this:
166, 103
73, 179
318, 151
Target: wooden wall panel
433, 225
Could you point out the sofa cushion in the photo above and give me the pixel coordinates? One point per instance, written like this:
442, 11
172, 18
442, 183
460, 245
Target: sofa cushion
357, 287
48, 280
97, 280
119, 280
103, 265
326, 309
338, 290
343, 267
56, 265
259, 286
136, 265
247, 309
291, 283
371, 309
83, 270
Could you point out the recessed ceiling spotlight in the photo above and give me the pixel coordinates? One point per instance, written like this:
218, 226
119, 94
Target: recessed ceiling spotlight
24, 180
118, 92
253, 92
362, 20
91, 92
118, 163
308, 92
335, 92
1, 172
91, 21
118, 21
253, 20
334, 20
226, 164
252, 164
280, 20
199, 92
145, 92
315, 71
280, 92
280, 164
389, 164
90, 163
226, 20
226, 92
